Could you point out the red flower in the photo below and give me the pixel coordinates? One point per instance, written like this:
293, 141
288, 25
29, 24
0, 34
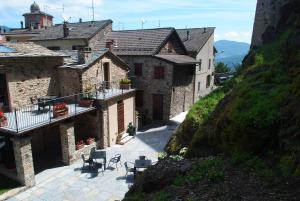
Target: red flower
2, 116
60, 106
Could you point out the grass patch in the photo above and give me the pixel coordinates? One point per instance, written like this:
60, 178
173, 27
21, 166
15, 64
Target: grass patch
7, 184
211, 169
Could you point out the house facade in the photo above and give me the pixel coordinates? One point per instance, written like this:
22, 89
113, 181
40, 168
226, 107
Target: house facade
37, 133
199, 43
161, 70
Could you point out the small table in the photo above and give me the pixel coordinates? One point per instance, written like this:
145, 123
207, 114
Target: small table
45, 101
141, 164
96, 155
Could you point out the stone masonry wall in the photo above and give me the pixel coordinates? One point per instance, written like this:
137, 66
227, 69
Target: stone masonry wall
267, 15
152, 86
24, 161
28, 77
183, 89
70, 82
94, 42
67, 142
95, 74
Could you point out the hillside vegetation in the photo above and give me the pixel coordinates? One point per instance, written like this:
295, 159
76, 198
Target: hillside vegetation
243, 139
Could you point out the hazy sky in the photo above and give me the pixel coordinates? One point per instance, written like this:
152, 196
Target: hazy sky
232, 18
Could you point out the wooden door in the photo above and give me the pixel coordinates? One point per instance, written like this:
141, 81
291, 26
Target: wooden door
4, 103
158, 102
121, 126
106, 75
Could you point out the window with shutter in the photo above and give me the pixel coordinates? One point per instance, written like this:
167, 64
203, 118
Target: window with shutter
138, 69
159, 72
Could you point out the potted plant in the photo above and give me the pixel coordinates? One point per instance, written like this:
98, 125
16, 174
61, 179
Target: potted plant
90, 140
3, 120
131, 130
79, 145
87, 100
60, 109
125, 83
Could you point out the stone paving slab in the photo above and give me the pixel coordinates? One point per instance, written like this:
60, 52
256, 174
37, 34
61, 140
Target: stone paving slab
69, 183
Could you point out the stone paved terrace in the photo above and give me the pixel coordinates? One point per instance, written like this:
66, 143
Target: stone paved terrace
70, 184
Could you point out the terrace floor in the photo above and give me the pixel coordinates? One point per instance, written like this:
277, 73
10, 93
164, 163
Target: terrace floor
71, 183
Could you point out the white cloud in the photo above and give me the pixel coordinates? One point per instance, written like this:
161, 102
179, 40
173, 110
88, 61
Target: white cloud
232, 34
243, 36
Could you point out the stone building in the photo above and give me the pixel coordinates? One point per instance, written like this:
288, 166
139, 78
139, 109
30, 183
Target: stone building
35, 22
74, 36
199, 43
161, 70
36, 138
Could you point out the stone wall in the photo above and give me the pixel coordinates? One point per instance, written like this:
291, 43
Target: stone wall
67, 142
70, 81
94, 42
201, 72
152, 86
95, 74
267, 17
172, 46
28, 77
183, 89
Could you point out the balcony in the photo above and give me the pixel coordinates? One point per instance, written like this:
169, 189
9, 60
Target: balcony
43, 112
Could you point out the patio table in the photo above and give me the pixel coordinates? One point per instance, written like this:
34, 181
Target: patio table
44, 101
141, 164
97, 155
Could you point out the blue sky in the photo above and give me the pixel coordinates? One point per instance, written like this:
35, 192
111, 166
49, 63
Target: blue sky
232, 18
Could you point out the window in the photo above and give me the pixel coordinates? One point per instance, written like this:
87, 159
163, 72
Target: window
78, 47
54, 48
200, 65
209, 63
199, 87
139, 98
159, 72
208, 80
170, 47
138, 69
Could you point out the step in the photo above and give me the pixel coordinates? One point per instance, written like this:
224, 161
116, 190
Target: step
126, 138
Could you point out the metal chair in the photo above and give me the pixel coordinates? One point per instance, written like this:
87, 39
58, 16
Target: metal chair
129, 166
115, 160
86, 161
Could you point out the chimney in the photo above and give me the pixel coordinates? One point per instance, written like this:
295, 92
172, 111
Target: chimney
22, 25
31, 26
84, 55
187, 35
109, 44
80, 20
66, 30
204, 30
38, 26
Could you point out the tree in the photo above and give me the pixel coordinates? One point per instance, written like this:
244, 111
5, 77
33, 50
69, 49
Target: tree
222, 68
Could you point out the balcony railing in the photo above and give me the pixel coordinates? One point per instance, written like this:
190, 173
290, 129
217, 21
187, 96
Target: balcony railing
44, 111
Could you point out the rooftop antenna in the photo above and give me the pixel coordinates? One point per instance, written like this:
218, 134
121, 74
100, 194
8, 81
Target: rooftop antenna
93, 10
66, 19
45, 9
158, 23
143, 22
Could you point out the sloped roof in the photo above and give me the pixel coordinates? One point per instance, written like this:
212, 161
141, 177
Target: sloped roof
178, 59
138, 42
72, 61
27, 49
197, 37
23, 32
80, 30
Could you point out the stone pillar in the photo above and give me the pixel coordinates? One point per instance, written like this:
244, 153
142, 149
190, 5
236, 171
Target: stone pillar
24, 161
67, 136
105, 127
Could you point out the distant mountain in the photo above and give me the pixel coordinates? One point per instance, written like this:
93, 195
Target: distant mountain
231, 52
5, 28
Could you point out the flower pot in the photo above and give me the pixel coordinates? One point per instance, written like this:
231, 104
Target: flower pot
125, 86
86, 103
59, 113
3, 123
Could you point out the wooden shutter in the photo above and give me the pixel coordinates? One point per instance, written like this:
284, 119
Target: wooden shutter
138, 69
159, 72
139, 98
